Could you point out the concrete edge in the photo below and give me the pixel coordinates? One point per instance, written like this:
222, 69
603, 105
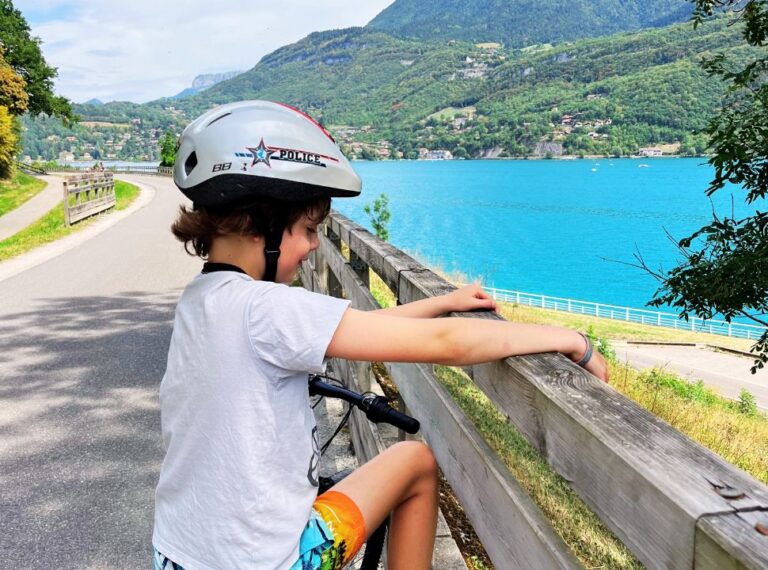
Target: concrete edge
15, 265
708, 346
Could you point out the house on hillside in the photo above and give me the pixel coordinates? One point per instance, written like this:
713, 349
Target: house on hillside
650, 151
440, 154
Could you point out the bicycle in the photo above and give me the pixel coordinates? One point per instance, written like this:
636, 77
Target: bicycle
378, 410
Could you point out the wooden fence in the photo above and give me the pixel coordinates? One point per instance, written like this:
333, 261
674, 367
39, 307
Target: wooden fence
674, 503
93, 192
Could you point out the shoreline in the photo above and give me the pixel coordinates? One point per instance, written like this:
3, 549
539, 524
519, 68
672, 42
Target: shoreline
560, 158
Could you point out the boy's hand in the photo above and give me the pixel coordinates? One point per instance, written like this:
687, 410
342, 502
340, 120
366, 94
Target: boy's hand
469, 298
598, 366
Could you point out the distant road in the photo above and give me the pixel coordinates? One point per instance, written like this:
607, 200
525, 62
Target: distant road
726, 373
83, 342
33, 209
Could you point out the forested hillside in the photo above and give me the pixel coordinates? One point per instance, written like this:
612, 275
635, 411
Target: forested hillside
387, 97
519, 23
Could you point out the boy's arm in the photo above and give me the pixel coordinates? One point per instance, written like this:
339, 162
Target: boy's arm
372, 336
468, 298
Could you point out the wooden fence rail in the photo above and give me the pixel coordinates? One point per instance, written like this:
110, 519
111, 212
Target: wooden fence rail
674, 503
93, 192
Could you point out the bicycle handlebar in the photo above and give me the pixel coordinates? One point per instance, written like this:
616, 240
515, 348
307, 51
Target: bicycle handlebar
376, 408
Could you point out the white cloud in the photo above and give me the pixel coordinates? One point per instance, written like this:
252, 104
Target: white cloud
146, 49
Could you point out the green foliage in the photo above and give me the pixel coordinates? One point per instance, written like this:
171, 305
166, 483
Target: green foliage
747, 403
601, 345
725, 264
22, 52
657, 378
13, 95
168, 149
379, 215
519, 23
8, 143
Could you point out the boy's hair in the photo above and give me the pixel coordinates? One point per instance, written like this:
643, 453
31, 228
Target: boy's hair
198, 227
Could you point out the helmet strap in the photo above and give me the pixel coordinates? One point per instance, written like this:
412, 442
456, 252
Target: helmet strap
272, 251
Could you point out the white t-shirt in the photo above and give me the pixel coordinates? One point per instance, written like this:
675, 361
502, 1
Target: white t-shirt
240, 473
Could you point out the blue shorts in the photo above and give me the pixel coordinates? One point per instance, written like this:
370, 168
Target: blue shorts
333, 536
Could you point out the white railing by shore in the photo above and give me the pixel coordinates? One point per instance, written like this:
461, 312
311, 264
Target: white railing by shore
137, 168
642, 316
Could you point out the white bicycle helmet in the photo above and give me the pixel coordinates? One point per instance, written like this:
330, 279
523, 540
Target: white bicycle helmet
239, 153
243, 151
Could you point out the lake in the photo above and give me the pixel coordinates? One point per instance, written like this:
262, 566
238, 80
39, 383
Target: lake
564, 228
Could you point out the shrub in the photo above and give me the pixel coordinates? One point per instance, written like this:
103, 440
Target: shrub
746, 403
8, 142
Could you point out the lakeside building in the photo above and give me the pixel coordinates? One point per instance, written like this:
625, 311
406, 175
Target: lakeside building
441, 154
650, 151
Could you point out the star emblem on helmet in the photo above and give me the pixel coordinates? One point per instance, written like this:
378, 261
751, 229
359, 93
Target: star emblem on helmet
261, 153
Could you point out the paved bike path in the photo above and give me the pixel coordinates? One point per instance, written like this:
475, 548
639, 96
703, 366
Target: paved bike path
726, 373
33, 209
83, 343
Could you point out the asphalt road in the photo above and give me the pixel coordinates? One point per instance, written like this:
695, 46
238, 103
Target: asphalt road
725, 373
83, 342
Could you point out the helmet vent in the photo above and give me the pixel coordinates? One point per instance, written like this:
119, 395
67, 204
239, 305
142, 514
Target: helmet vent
218, 119
190, 163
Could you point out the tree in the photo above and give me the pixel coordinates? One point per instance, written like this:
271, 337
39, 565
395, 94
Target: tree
13, 101
13, 94
167, 149
725, 264
379, 215
22, 52
8, 142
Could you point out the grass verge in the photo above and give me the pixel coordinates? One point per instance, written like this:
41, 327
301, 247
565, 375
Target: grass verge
51, 226
17, 190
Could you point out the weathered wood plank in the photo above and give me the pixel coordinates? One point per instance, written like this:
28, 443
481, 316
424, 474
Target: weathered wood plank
94, 193
649, 483
385, 259
718, 537
512, 528
360, 296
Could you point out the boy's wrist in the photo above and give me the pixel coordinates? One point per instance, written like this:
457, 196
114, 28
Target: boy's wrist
578, 346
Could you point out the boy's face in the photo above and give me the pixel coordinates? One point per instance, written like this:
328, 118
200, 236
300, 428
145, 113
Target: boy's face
295, 247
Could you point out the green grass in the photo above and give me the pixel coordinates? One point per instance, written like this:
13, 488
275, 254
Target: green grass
17, 190
51, 226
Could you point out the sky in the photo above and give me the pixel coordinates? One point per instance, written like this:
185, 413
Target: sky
141, 50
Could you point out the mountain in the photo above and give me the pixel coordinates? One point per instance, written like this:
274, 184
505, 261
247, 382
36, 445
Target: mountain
638, 89
519, 23
383, 95
93, 102
203, 82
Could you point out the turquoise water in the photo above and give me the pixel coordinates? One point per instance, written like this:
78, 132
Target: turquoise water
560, 228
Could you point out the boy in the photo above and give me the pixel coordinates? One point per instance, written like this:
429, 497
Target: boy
238, 485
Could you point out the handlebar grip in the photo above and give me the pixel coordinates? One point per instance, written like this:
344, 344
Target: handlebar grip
379, 410
405, 423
